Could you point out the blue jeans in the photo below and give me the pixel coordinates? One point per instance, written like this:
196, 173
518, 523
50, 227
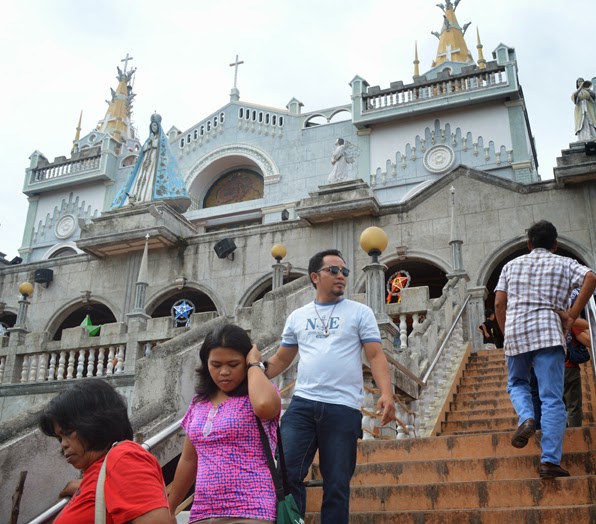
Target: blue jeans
334, 430
549, 366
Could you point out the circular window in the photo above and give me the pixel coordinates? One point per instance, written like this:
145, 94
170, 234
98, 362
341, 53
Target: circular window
92, 137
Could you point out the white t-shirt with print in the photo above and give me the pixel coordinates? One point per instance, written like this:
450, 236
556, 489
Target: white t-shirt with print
330, 367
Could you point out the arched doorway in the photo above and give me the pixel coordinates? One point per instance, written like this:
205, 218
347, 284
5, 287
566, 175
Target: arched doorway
421, 273
98, 313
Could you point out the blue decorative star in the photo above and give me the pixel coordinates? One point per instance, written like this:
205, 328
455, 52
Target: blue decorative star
183, 311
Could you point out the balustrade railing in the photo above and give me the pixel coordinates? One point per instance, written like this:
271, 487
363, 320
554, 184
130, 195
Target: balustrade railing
440, 88
68, 168
72, 364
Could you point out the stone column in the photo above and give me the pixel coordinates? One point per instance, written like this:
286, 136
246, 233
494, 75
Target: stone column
278, 275
375, 289
476, 314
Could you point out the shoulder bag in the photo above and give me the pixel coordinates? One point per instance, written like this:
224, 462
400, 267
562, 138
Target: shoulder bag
287, 510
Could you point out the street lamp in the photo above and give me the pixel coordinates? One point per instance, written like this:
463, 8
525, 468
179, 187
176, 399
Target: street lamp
373, 241
278, 252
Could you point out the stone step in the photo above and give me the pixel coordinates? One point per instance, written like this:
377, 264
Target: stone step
482, 380
487, 403
480, 395
480, 414
467, 495
534, 515
484, 372
485, 445
493, 424
464, 470
493, 385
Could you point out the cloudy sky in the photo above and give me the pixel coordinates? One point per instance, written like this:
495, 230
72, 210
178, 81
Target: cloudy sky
59, 57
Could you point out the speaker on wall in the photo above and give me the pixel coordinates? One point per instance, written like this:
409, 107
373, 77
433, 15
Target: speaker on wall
224, 248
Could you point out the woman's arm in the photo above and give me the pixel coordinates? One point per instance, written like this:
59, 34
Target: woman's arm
185, 475
262, 393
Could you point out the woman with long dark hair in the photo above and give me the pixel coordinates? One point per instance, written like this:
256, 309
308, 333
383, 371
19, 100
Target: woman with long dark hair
222, 452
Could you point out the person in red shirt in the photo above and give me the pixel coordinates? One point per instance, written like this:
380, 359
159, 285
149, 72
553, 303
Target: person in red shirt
90, 421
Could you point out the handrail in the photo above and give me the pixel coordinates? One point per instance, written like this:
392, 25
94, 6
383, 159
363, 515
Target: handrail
590, 310
444, 343
149, 444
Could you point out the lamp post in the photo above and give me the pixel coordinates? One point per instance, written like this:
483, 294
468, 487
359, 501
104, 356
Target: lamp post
26, 290
278, 252
373, 241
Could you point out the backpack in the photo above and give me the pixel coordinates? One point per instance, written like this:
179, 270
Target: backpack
577, 353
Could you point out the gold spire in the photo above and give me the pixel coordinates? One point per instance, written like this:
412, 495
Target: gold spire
77, 134
117, 119
416, 61
481, 60
452, 45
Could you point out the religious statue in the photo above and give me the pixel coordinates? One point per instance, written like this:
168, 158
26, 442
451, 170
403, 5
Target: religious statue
585, 110
344, 154
155, 176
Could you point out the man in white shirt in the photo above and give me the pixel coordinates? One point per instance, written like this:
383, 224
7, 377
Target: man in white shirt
324, 414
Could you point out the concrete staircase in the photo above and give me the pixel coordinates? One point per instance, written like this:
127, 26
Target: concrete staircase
471, 473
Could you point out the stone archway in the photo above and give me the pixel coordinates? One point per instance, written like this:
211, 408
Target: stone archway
162, 305
99, 313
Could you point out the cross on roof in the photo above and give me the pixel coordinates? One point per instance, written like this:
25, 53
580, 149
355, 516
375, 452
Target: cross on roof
448, 52
125, 60
235, 65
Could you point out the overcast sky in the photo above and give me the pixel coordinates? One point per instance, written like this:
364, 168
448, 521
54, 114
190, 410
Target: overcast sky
59, 57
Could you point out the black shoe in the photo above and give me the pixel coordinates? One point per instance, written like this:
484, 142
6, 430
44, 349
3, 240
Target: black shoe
525, 430
551, 471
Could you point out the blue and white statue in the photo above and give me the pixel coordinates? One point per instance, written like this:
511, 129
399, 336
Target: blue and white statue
155, 176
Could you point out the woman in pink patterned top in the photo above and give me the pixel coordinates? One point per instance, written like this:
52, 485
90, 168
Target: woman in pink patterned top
223, 453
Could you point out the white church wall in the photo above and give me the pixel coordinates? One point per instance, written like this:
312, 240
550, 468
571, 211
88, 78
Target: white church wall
491, 121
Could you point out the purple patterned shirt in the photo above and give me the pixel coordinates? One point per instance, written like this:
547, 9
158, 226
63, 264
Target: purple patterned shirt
233, 479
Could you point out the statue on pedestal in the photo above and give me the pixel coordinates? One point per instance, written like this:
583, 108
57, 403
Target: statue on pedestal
585, 110
155, 176
344, 153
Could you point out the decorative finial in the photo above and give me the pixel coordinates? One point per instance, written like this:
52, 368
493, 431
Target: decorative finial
416, 61
481, 60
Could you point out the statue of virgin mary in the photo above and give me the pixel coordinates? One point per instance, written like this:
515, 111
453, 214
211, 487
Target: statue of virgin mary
155, 176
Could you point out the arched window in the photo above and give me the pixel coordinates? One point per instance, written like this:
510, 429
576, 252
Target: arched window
239, 185
64, 252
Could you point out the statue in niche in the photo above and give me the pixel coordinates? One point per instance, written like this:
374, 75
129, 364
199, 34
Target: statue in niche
344, 154
155, 176
585, 110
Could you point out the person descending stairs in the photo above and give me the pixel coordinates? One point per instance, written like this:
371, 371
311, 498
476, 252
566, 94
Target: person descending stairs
470, 472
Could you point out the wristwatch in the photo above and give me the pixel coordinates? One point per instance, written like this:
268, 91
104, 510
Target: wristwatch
260, 364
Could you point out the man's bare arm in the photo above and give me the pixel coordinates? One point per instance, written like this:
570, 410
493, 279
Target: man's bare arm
501, 309
281, 361
380, 372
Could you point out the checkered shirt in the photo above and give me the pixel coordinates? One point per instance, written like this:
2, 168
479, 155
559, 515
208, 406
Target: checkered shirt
536, 285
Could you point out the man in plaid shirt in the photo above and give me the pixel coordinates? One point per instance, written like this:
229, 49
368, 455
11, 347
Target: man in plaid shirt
531, 307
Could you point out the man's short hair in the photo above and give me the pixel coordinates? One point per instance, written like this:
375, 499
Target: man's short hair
316, 261
542, 234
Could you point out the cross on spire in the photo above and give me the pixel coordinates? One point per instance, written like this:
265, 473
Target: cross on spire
125, 60
235, 65
448, 52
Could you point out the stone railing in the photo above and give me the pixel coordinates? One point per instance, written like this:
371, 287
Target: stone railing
67, 168
376, 100
77, 355
426, 357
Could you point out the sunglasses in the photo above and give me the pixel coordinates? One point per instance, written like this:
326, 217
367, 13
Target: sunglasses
335, 270
209, 422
